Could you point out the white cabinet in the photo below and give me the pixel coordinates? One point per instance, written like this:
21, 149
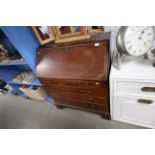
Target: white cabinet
131, 111
132, 93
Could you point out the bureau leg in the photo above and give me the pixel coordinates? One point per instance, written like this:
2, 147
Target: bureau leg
105, 116
60, 106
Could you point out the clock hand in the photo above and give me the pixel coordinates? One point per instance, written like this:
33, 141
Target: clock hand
142, 32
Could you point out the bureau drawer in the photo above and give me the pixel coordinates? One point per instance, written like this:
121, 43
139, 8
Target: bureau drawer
73, 83
86, 105
138, 110
99, 92
134, 88
81, 98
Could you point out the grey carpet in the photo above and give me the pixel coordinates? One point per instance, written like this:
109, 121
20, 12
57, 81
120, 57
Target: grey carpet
19, 113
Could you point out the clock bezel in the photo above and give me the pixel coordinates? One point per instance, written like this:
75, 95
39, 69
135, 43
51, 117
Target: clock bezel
120, 41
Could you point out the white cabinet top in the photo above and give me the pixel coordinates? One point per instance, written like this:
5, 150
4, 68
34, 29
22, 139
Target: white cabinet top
138, 69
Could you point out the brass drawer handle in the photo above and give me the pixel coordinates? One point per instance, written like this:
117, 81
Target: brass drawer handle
87, 83
97, 83
148, 89
144, 101
85, 91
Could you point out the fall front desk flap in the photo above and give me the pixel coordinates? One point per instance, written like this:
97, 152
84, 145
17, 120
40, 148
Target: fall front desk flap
79, 61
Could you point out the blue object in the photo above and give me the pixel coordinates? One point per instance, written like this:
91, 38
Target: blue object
23, 40
50, 99
13, 63
34, 83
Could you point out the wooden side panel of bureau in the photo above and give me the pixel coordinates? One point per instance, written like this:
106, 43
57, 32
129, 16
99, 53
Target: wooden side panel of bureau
77, 75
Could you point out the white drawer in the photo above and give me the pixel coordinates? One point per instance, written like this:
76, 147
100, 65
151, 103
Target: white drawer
135, 111
134, 88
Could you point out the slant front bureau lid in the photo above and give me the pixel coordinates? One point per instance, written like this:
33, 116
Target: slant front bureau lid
88, 61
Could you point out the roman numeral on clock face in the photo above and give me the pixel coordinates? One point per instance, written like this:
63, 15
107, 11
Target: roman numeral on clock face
130, 47
128, 42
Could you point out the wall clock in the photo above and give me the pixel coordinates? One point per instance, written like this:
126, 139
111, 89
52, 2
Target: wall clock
134, 41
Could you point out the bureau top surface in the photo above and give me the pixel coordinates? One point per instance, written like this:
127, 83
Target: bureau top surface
87, 61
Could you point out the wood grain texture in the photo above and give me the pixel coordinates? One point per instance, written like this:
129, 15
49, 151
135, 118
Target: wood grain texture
80, 98
77, 90
73, 83
85, 61
77, 75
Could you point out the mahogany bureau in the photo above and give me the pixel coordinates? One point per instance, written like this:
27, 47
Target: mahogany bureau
77, 75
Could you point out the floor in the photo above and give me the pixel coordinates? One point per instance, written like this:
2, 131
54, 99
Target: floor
19, 113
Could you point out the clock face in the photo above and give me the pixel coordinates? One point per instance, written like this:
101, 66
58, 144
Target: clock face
138, 39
